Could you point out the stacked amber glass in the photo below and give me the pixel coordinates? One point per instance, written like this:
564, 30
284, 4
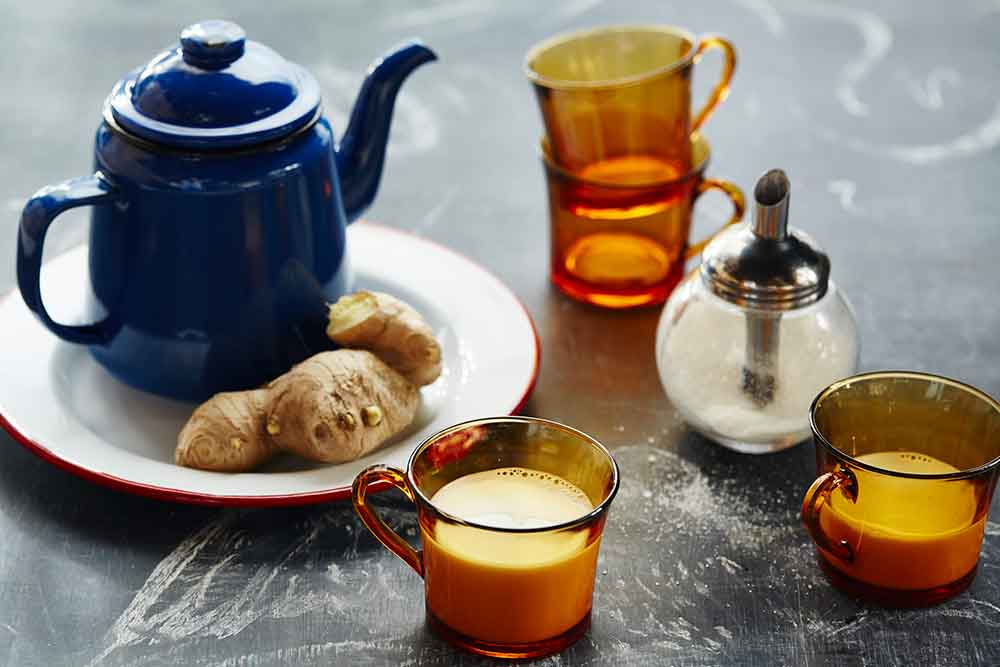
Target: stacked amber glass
623, 157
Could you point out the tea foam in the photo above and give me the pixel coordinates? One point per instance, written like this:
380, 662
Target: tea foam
513, 498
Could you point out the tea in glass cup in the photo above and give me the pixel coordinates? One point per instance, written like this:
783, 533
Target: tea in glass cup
511, 513
619, 228
620, 91
908, 465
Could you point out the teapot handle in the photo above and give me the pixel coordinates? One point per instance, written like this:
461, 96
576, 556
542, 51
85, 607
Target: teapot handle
38, 214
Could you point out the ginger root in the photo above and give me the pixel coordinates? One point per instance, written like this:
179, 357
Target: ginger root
226, 433
391, 329
338, 406
333, 407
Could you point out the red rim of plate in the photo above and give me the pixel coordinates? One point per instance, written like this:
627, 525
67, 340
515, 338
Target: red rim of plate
279, 500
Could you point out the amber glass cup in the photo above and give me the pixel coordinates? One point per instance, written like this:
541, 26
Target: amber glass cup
623, 91
524, 592
624, 244
908, 464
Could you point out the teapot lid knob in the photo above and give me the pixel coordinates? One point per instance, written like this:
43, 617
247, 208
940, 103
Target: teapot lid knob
212, 44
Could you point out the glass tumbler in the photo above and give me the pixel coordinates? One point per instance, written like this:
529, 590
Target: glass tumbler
623, 243
503, 592
623, 91
908, 463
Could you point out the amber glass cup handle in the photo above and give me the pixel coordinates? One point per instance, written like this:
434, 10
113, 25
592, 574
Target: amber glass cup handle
739, 207
817, 495
721, 90
386, 535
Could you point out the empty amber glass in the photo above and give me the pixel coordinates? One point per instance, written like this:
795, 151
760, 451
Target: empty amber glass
908, 465
503, 592
623, 91
620, 239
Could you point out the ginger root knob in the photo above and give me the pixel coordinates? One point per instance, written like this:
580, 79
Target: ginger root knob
391, 329
346, 421
371, 415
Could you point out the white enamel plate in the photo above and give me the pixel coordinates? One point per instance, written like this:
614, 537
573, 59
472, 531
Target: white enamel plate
60, 404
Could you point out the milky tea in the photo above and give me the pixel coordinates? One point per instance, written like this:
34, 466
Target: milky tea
895, 537
907, 465
510, 587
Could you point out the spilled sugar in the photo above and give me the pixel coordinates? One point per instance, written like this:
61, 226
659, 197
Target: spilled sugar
732, 548
675, 498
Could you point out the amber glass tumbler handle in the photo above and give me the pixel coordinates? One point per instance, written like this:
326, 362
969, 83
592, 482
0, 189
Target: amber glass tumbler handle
739, 207
721, 90
817, 496
386, 535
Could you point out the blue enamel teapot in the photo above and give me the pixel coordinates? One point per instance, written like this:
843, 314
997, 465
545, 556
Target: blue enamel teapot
220, 201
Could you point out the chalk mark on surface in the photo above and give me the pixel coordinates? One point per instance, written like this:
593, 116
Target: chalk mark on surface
767, 13
876, 36
976, 141
441, 13
928, 93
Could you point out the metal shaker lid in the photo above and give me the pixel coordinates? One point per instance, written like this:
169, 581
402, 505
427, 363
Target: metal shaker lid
765, 264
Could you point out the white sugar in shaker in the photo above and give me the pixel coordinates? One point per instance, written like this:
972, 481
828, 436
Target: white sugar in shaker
746, 342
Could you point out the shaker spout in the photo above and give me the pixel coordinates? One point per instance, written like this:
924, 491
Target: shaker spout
361, 154
770, 216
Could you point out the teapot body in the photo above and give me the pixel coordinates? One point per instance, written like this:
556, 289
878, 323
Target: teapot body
220, 201
215, 268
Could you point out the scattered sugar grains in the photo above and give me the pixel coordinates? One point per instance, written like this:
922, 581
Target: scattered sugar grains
714, 536
664, 496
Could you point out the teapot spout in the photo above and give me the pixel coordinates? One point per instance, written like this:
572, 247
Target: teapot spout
362, 149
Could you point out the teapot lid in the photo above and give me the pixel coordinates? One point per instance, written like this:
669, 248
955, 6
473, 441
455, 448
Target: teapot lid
766, 264
215, 89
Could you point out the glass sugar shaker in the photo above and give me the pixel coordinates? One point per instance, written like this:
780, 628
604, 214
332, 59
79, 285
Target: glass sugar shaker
746, 342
